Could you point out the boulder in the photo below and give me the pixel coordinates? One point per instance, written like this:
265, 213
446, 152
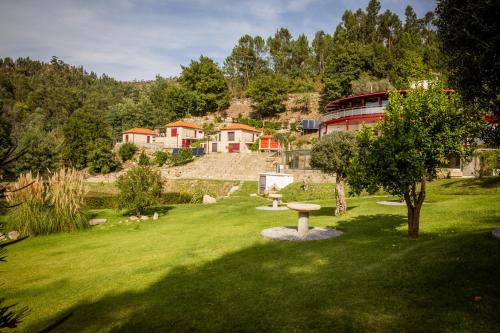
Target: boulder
234, 189
207, 199
2, 237
13, 235
133, 218
97, 221
144, 217
155, 216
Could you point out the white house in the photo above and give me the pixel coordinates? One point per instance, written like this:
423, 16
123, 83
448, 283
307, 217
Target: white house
139, 136
178, 134
234, 138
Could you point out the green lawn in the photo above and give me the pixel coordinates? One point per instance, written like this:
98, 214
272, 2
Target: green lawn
206, 268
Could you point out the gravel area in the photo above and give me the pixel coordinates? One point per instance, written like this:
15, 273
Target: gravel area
291, 234
271, 208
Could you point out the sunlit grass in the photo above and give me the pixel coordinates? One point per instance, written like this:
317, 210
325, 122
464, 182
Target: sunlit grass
206, 268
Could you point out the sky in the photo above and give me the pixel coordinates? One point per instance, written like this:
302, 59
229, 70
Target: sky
138, 39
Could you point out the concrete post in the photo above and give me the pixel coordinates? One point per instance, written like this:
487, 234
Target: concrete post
275, 202
303, 228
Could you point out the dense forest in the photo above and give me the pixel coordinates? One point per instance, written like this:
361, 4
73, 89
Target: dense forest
61, 114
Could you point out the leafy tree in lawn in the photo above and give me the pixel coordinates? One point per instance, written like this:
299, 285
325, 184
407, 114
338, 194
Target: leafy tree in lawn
470, 35
80, 132
420, 130
140, 188
268, 94
332, 155
206, 80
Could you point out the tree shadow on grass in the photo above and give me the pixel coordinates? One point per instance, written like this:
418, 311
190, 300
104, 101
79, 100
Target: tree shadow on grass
328, 211
337, 285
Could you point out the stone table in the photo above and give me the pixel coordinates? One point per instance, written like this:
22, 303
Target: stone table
276, 199
303, 209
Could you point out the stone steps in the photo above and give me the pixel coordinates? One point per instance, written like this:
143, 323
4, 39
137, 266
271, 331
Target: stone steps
244, 166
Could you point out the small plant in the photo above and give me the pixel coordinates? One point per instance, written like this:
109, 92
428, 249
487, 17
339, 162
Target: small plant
144, 159
127, 150
140, 188
184, 156
255, 146
161, 157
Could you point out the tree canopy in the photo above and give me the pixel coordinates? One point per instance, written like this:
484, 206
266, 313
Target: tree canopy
419, 133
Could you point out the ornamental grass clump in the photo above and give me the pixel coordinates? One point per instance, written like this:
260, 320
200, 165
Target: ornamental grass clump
39, 207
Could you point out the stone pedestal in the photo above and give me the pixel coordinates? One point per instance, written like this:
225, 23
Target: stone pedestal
303, 227
303, 209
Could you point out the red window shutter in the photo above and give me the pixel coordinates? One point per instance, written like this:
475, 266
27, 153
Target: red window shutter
173, 132
148, 139
126, 137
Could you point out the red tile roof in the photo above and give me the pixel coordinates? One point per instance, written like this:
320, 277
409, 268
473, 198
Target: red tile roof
137, 130
183, 124
240, 127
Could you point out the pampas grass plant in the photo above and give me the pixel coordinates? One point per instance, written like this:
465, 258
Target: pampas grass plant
44, 208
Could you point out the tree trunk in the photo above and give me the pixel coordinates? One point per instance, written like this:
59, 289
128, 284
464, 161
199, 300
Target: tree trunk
340, 195
414, 202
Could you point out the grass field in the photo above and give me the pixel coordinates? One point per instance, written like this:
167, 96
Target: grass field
206, 268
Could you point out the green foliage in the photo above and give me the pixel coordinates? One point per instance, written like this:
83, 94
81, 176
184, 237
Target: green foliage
127, 151
100, 158
205, 79
184, 156
172, 198
161, 157
144, 159
367, 83
81, 132
100, 201
419, 131
255, 146
468, 31
268, 94
489, 162
333, 153
140, 188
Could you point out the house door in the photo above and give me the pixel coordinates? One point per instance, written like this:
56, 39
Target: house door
234, 147
185, 143
126, 137
214, 147
148, 139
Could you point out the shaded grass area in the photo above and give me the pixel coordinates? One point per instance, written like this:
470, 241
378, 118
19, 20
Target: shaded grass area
206, 268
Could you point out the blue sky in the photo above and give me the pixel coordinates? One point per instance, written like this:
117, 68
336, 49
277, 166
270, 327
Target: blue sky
132, 39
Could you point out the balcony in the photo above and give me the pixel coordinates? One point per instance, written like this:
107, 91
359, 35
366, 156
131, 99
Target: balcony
359, 111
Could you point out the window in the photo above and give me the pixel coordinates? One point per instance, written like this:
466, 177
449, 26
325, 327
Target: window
230, 136
173, 132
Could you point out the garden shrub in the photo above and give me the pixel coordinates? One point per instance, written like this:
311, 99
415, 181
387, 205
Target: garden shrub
184, 156
161, 157
44, 208
140, 188
100, 201
144, 159
127, 150
489, 162
170, 198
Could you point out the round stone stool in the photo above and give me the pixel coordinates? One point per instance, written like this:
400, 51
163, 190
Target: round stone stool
276, 199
